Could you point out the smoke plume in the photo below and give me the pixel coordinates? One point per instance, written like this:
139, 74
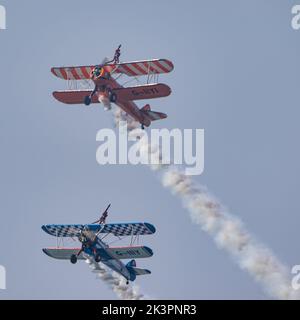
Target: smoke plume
227, 231
115, 282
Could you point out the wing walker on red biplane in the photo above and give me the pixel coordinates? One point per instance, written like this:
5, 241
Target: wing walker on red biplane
105, 76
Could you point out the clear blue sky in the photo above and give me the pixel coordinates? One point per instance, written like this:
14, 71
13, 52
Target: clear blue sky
236, 76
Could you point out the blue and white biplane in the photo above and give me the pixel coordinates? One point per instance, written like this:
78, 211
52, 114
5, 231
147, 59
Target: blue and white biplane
93, 246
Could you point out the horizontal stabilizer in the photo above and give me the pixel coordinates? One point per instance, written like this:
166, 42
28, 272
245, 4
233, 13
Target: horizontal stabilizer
140, 272
153, 115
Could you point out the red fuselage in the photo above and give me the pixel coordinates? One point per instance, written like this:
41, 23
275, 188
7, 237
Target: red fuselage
103, 86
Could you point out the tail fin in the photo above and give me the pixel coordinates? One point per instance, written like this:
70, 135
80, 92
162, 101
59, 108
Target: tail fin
152, 115
146, 107
131, 264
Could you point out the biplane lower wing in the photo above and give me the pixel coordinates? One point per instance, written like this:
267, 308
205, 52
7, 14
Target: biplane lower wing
132, 252
148, 91
117, 229
131, 69
62, 253
74, 96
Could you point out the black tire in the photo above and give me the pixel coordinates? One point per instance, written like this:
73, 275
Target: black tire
97, 258
73, 258
113, 97
127, 282
87, 100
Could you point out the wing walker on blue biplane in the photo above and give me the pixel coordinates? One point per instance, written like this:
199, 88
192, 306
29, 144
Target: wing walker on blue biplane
91, 236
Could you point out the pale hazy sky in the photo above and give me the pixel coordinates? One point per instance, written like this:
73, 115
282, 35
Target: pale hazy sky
236, 76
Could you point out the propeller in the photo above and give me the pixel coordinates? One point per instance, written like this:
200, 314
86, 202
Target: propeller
100, 221
105, 61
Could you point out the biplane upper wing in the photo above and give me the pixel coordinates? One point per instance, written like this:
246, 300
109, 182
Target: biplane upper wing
117, 229
74, 96
132, 69
63, 230
73, 73
126, 229
140, 68
62, 253
148, 91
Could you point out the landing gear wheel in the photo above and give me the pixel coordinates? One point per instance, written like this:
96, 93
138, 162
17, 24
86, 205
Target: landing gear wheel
112, 97
87, 100
143, 127
127, 282
97, 258
73, 258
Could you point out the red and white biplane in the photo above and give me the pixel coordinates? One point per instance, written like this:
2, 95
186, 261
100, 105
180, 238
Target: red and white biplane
108, 90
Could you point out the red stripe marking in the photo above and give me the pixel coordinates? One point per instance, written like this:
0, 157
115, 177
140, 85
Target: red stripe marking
120, 69
152, 69
84, 72
146, 64
139, 68
155, 70
74, 73
55, 72
161, 66
128, 70
63, 73
67, 72
169, 63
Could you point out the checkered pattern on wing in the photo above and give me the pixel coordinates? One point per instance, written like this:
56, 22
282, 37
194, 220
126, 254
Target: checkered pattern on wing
64, 230
125, 229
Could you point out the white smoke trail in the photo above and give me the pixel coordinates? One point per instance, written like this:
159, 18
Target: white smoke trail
116, 282
230, 235
227, 231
